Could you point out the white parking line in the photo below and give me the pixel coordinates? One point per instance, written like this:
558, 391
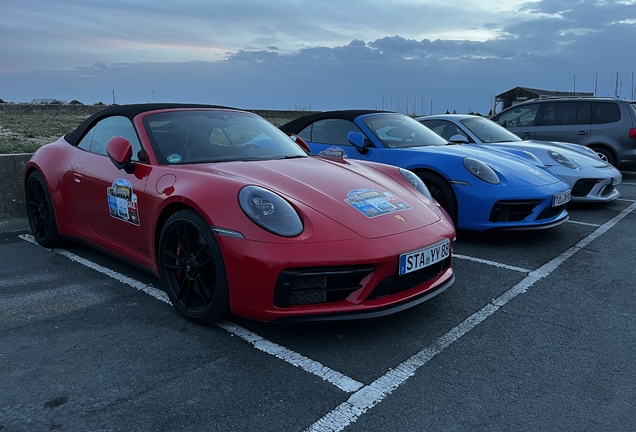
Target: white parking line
369, 396
627, 183
583, 223
341, 381
492, 263
624, 199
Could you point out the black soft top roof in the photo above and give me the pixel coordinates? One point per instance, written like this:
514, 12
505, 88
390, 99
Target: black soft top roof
295, 126
129, 111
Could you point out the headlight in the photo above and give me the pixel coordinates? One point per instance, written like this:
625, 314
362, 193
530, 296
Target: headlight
481, 170
270, 211
559, 158
416, 182
533, 157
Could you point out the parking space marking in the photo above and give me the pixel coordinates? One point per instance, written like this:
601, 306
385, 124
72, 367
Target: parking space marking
584, 223
154, 292
341, 381
368, 397
628, 183
492, 263
625, 199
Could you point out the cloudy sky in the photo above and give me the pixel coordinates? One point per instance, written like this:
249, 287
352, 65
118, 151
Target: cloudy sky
404, 55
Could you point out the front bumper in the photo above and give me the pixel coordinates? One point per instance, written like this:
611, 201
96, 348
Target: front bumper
259, 276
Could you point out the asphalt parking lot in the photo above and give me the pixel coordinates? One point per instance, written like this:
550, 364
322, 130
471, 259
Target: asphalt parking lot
538, 333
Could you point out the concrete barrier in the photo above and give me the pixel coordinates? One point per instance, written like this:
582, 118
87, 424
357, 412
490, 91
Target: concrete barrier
12, 205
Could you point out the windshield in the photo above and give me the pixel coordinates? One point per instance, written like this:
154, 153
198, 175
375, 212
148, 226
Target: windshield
199, 136
398, 130
488, 131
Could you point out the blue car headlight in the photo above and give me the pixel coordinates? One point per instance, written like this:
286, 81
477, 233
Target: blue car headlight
416, 182
562, 160
481, 171
533, 157
270, 211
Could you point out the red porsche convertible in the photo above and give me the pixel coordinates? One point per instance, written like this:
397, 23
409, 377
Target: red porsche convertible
235, 217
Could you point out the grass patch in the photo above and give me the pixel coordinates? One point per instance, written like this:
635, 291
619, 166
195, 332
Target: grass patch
25, 132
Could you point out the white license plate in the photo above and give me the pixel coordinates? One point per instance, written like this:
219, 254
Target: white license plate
412, 261
560, 199
617, 180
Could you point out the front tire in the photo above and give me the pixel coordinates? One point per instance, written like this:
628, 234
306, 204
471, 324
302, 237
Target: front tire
605, 155
191, 265
40, 212
442, 192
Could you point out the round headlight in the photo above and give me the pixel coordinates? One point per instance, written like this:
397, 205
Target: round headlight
559, 158
416, 182
270, 211
481, 171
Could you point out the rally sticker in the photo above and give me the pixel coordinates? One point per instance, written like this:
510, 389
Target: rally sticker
372, 203
122, 202
337, 152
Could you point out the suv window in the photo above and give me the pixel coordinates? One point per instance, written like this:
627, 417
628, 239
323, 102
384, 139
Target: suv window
566, 113
606, 112
519, 116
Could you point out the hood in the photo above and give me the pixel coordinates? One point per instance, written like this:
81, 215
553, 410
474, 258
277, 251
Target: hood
515, 170
362, 199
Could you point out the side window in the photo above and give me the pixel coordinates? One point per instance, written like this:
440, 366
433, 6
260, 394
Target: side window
519, 116
85, 143
332, 131
606, 112
306, 133
445, 129
556, 113
584, 114
110, 127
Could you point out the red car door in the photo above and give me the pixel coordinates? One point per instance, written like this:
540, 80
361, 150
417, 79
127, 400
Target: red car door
111, 201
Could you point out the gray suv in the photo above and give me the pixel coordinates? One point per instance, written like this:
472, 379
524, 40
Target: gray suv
606, 125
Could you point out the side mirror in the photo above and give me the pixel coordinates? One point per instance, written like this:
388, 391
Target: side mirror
359, 141
119, 151
301, 142
458, 139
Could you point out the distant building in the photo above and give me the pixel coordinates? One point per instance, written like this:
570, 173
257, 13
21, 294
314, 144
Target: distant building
522, 94
48, 101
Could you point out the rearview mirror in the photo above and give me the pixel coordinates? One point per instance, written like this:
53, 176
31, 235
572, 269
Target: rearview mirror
458, 139
359, 141
119, 151
301, 142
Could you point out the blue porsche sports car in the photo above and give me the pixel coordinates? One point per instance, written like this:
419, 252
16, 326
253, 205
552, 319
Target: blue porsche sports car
480, 188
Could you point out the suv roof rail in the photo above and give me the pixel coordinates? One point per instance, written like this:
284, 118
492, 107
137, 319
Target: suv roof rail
543, 97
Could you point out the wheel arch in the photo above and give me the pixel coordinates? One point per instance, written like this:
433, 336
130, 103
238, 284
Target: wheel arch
425, 170
163, 217
604, 146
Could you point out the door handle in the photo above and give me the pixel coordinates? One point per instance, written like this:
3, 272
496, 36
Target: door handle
78, 177
583, 133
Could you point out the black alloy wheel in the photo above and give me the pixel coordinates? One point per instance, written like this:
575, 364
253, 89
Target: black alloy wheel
442, 192
40, 212
192, 266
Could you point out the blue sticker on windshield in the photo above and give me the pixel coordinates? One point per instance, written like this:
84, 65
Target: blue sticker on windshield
174, 158
122, 202
337, 152
372, 203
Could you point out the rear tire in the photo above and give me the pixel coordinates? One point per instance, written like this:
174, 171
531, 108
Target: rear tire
442, 192
192, 267
40, 212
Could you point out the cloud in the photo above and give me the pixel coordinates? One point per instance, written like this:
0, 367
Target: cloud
291, 53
